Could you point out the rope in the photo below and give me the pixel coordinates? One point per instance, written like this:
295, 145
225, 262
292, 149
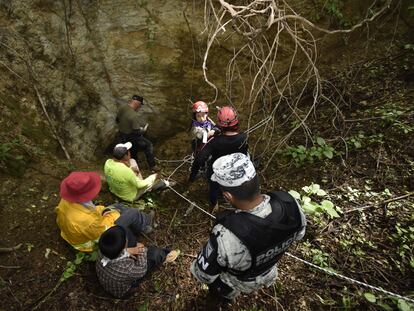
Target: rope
348, 279
191, 202
258, 125
187, 158
378, 289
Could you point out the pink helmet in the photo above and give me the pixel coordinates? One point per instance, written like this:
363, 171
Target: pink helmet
200, 106
227, 116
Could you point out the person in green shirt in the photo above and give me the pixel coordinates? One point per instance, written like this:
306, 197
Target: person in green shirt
124, 177
130, 130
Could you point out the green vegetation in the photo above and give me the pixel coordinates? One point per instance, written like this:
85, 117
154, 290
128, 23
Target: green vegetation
11, 157
71, 266
334, 8
302, 155
404, 239
309, 204
393, 303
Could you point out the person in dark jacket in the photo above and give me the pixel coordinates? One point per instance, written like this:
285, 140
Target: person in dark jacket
229, 141
245, 245
130, 130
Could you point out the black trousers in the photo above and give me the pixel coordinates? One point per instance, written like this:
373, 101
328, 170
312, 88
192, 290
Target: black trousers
139, 143
155, 257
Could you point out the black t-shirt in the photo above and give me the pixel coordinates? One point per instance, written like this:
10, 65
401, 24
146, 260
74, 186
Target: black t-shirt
217, 147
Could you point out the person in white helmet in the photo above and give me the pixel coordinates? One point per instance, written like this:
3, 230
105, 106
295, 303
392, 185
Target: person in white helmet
202, 129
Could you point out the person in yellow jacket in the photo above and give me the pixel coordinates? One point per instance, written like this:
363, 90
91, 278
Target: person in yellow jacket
82, 222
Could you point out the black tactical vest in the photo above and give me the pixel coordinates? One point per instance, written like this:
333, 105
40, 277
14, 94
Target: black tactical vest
266, 238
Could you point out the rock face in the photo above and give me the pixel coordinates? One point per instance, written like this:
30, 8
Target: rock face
88, 57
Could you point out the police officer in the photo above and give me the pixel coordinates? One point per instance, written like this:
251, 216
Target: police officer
245, 245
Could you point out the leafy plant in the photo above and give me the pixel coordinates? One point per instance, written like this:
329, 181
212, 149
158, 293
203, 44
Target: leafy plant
409, 46
320, 258
312, 207
255, 308
71, 267
317, 255
143, 307
404, 237
301, 154
10, 155
401, 304
334, 8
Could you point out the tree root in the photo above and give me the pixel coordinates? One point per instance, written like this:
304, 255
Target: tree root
10, 249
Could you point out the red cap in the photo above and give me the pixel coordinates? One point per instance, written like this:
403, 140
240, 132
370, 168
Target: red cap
80, 186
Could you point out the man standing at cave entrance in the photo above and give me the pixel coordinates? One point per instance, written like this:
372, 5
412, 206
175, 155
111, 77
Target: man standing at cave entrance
131, 130
245, 245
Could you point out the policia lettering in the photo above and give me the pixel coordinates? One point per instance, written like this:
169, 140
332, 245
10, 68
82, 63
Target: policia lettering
207, 259
275, 251
265, 238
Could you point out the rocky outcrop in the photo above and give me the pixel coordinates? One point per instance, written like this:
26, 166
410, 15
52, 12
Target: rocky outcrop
88, 57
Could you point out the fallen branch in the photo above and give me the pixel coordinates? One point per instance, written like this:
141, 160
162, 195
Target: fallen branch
380, 203
10, 267
10, 249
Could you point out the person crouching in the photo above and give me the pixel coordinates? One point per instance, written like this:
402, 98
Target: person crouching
123, 263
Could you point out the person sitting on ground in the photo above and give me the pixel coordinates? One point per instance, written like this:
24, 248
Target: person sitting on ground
229, 141
201, 127
242, 258
131, 130
122, 262
82, 222
124, 177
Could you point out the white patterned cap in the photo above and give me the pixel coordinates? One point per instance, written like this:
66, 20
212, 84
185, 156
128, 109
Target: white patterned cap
233, 170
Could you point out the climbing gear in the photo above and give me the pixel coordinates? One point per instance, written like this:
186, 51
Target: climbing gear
227, 117
200, 106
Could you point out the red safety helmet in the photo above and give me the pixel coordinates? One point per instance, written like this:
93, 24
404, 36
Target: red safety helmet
200, 106
227, 117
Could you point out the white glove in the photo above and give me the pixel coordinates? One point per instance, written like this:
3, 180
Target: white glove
198, 132
144, 128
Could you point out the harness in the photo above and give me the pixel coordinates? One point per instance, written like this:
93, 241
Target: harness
268, 238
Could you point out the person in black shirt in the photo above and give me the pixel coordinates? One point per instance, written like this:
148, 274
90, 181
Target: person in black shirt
228, 142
